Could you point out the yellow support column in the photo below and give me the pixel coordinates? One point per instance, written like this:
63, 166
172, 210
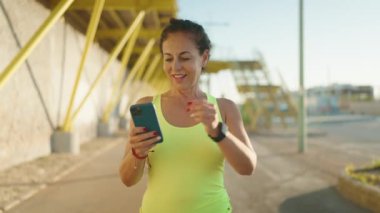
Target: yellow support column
141, 70
113, 56
152, 68
34, 40
106, 114
163, 86
136, 67
156, 83
90, 35
124, 61
148, 74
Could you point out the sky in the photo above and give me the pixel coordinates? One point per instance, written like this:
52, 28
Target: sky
341, 37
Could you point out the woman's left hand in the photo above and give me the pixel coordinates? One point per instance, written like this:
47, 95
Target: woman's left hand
204, 112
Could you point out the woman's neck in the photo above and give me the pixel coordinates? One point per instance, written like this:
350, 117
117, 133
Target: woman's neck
189, 94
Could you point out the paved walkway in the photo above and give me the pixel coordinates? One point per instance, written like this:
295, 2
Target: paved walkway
93, 187
285, 181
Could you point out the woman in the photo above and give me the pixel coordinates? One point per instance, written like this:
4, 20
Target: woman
186, 169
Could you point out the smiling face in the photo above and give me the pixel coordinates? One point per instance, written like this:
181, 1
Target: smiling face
182, 61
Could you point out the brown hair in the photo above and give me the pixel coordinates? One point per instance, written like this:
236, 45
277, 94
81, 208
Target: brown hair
180, 25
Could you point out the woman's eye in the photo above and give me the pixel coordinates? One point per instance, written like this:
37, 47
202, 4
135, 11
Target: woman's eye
168, 59
185, 59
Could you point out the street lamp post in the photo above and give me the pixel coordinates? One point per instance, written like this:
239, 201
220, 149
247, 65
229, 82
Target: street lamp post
302, 121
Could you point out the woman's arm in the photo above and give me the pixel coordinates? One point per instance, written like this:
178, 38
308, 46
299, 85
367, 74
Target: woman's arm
236, 146
131, 168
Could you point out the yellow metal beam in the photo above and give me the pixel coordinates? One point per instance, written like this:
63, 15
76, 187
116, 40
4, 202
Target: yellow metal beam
165, 20
153, 19
155, 75
216, 66
90, 35
152, 67
258, 88
79, 20
160, 82
117, 19
165, 5
148, 74
164, 86
142, 68
117, 33
137, 77
136, 67
139, 50
155, 78
139, 63
57, 12
115, 52
103, 24
124, 61
149, 78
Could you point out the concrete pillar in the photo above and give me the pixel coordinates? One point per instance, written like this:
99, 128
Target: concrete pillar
64, 142
108, 129
104, 130
123, 124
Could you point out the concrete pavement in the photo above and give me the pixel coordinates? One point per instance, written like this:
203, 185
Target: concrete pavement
285, 181
93, 187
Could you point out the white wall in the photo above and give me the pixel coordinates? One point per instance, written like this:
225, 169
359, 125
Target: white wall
24, 127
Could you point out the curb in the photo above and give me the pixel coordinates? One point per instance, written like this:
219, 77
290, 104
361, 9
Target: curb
74, 167
60, 175
338, 120
23, 198
364, 195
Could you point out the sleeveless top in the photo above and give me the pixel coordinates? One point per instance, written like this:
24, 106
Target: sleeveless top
186, 170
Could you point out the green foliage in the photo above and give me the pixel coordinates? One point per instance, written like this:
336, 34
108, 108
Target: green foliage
245, 116
367, 175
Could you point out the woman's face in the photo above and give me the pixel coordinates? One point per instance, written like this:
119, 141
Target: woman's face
182, 61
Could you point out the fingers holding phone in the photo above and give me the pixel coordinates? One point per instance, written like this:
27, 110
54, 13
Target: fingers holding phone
142, 141
144, 115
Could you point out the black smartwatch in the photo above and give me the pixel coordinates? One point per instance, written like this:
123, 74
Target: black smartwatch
222, 131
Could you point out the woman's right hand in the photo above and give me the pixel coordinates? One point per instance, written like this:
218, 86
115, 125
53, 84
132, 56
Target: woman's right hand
142, 141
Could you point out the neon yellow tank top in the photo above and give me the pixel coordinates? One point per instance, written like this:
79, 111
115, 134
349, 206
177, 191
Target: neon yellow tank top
185, 171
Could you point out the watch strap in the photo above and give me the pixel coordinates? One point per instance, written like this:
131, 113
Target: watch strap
221, 133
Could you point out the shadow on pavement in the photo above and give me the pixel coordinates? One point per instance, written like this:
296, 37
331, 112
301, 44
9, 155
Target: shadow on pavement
325, 200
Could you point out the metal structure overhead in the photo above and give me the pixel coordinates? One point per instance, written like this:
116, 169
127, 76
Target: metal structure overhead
218, 65
129, 30
116, 18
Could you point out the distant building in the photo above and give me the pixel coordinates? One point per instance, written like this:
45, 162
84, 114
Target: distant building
337, 97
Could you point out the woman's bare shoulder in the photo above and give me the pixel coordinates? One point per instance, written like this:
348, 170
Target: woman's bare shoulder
226, 104
228, 109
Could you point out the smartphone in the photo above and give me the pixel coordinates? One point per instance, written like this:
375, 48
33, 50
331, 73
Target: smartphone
144, 115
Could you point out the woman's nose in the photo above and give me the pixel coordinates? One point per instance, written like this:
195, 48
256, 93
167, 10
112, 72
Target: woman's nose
177, 65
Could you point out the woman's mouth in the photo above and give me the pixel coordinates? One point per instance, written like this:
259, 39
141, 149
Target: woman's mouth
178, 77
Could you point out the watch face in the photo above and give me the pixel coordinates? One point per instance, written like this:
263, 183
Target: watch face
224, 128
